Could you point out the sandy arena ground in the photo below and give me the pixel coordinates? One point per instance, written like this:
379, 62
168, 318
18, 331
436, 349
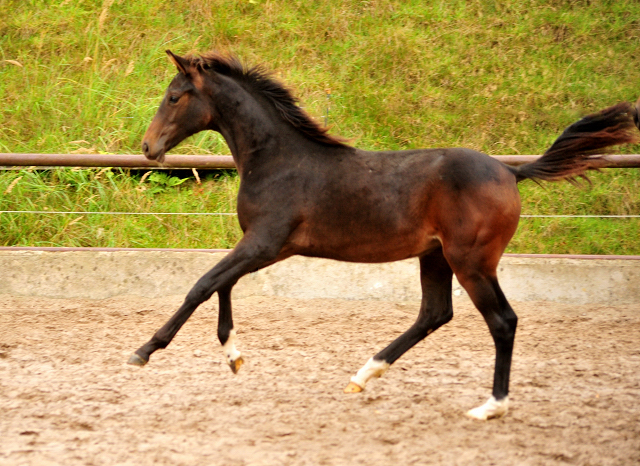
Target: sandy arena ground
67, 398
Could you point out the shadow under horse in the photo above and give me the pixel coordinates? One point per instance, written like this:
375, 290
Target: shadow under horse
308, 193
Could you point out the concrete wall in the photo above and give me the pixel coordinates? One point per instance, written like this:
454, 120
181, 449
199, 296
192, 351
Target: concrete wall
154, 273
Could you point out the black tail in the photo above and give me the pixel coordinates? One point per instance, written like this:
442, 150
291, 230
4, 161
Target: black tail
575, 150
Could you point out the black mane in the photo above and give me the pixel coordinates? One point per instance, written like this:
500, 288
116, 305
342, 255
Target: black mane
262, 82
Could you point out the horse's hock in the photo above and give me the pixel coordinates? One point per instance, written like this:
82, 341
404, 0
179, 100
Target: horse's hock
97, 274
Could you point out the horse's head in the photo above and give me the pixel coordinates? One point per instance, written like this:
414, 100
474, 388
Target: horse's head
183, 111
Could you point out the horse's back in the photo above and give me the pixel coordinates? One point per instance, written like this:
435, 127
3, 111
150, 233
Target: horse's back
456, 177
385, 206
461, 168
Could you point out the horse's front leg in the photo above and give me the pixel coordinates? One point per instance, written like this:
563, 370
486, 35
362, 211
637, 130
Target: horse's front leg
252, 252
226, 332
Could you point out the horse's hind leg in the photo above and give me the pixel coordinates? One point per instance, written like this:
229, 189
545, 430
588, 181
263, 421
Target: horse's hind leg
485, 292
435, 311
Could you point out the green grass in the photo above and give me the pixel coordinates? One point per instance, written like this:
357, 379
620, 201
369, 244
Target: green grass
111, 190
501, 77
613, 192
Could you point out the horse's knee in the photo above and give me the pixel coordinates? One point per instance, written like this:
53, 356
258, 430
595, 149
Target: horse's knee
433, 322
442, 319
436, 310
200, 293
448, 314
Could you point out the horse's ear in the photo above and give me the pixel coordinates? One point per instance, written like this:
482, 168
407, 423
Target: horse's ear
180, 62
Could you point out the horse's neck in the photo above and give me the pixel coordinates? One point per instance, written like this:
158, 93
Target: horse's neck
250, 126
257, 134
246, 145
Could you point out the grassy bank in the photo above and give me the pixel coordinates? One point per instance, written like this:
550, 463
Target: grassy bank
94, 191
110, 190
87, 76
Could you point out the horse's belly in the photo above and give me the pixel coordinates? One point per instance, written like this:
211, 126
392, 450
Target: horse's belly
354, 246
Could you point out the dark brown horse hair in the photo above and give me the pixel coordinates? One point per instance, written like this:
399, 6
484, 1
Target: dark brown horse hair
581, 143
262, 82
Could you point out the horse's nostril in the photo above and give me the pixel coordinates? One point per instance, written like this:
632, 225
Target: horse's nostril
145, 148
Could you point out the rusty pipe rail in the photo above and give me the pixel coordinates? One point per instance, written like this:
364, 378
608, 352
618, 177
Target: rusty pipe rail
115, 160
606, 161
211, 162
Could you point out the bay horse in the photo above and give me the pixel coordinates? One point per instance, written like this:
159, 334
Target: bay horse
308, 193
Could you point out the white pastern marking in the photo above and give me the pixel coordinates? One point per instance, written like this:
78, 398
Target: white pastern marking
229, 347
370, 370
492, 408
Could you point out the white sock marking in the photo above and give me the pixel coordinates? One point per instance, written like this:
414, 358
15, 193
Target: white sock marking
492, 408
370, 370
229, 347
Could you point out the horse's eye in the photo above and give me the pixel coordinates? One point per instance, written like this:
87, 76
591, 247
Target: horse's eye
173, 99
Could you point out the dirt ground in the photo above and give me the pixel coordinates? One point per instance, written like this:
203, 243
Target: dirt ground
66, 396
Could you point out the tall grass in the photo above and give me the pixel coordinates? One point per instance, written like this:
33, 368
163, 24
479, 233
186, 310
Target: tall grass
116, 191
501, 77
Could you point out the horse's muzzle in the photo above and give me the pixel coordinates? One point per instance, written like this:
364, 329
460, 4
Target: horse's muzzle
152, 155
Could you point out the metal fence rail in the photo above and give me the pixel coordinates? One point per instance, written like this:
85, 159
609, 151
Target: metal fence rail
232, 214
203, 162
211, 162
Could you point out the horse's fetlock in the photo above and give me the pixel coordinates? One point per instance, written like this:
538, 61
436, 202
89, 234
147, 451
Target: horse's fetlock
159, 342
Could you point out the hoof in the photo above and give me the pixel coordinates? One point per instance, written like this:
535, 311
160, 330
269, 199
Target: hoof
353, 388
235, 365
490, 410
136, 360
